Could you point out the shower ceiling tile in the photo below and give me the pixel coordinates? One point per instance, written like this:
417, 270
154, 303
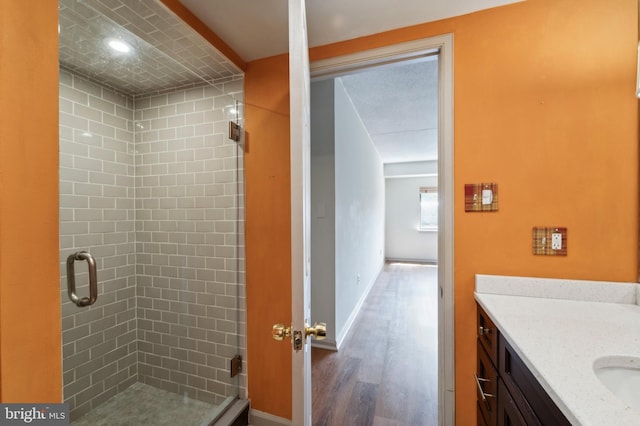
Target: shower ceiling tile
167, 52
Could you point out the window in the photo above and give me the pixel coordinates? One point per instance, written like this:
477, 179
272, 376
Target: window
428, 209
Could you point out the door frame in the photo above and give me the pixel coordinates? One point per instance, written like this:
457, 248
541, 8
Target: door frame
443, 45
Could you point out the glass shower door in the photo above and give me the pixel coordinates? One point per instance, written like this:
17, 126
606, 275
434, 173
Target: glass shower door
151, 186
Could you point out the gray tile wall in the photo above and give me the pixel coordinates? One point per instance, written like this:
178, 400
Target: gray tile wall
97, 215
152, 193
189, 240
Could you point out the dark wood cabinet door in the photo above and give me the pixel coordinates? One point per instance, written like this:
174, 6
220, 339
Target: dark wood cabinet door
508, 413
535, 404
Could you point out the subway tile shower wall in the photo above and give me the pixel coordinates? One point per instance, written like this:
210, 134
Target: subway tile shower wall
187, 241
152, 187
97, 167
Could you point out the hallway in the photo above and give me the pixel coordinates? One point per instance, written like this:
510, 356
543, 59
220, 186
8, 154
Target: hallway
386, 370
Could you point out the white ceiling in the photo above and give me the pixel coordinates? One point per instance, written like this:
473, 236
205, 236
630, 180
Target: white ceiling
258, 28
398, 105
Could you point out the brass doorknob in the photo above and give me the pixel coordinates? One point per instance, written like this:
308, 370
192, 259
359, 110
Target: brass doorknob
280, 331
319, 330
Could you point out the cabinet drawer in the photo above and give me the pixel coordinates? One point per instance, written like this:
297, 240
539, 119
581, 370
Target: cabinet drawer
487, 334
486, 386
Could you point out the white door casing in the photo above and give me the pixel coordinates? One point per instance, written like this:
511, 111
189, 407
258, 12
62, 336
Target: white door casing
443, 46
300, 138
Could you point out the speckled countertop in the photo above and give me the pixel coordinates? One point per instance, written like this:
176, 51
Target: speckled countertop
560, 328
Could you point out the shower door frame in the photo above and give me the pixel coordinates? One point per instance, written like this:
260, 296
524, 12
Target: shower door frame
185, 275
218, 286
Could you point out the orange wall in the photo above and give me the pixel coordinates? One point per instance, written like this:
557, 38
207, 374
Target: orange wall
268, 233
544, 106
30, 340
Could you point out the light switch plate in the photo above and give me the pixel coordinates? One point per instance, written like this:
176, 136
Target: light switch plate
550, 241
481, 197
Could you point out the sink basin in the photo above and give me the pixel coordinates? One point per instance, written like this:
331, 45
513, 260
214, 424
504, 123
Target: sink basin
621, 375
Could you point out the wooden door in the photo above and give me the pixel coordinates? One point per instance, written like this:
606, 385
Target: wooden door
299, 94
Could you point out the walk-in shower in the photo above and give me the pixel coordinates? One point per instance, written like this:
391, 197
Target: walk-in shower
152, 187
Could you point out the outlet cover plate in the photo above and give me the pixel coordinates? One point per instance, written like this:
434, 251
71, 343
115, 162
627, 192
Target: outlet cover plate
549, 241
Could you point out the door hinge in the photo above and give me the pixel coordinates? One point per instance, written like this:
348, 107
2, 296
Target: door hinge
236, 365
234, 131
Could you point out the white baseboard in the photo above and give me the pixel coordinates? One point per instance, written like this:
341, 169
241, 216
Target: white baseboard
260, 418
356, 310
325, 344
420, 261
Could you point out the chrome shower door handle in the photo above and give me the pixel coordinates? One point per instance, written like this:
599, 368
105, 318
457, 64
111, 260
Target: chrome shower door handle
71, 279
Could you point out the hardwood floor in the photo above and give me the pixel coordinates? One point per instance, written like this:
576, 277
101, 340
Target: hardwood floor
385, 373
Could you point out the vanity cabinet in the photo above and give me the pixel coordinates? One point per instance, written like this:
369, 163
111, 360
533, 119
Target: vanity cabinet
486, 375
508, 393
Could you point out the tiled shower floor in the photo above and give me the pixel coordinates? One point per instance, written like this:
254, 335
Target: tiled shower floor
142, 404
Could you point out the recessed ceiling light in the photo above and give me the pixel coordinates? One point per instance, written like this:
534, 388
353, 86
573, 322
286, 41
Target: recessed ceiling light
119, 46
